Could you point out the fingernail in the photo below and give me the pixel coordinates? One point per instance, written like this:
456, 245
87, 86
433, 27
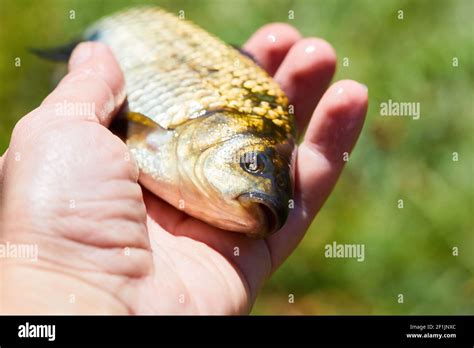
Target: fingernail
365, 86
81, 54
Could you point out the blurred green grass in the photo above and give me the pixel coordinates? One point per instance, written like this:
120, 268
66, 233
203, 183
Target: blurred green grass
409, 250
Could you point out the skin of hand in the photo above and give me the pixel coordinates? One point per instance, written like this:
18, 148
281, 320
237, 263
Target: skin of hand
105, 244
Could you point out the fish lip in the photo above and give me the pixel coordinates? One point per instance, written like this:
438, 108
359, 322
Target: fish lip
274, 212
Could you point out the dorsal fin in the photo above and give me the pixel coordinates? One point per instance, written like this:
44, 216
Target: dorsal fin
58, 53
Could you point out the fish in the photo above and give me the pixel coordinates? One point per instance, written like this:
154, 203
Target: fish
210, 130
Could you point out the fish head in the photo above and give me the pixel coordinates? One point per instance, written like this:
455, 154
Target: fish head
253, 177
233, 173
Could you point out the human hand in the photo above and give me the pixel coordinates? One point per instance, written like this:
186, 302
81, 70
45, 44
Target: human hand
74, 193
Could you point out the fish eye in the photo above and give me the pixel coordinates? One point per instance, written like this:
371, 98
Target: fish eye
253, 163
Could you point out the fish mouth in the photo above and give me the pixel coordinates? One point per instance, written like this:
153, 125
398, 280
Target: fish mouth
271, 210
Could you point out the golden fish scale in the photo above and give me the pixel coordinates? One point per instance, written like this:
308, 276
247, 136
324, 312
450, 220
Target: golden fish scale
176, 71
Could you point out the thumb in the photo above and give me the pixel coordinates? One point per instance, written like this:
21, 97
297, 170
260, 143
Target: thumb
73, 179
93, 90
92, 65
62, 150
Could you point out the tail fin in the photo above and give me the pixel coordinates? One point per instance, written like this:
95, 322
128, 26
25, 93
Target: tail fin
56, 54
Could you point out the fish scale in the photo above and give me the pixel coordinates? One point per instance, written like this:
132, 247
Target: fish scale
201, 72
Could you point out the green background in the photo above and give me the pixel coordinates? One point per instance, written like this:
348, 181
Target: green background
407, 251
